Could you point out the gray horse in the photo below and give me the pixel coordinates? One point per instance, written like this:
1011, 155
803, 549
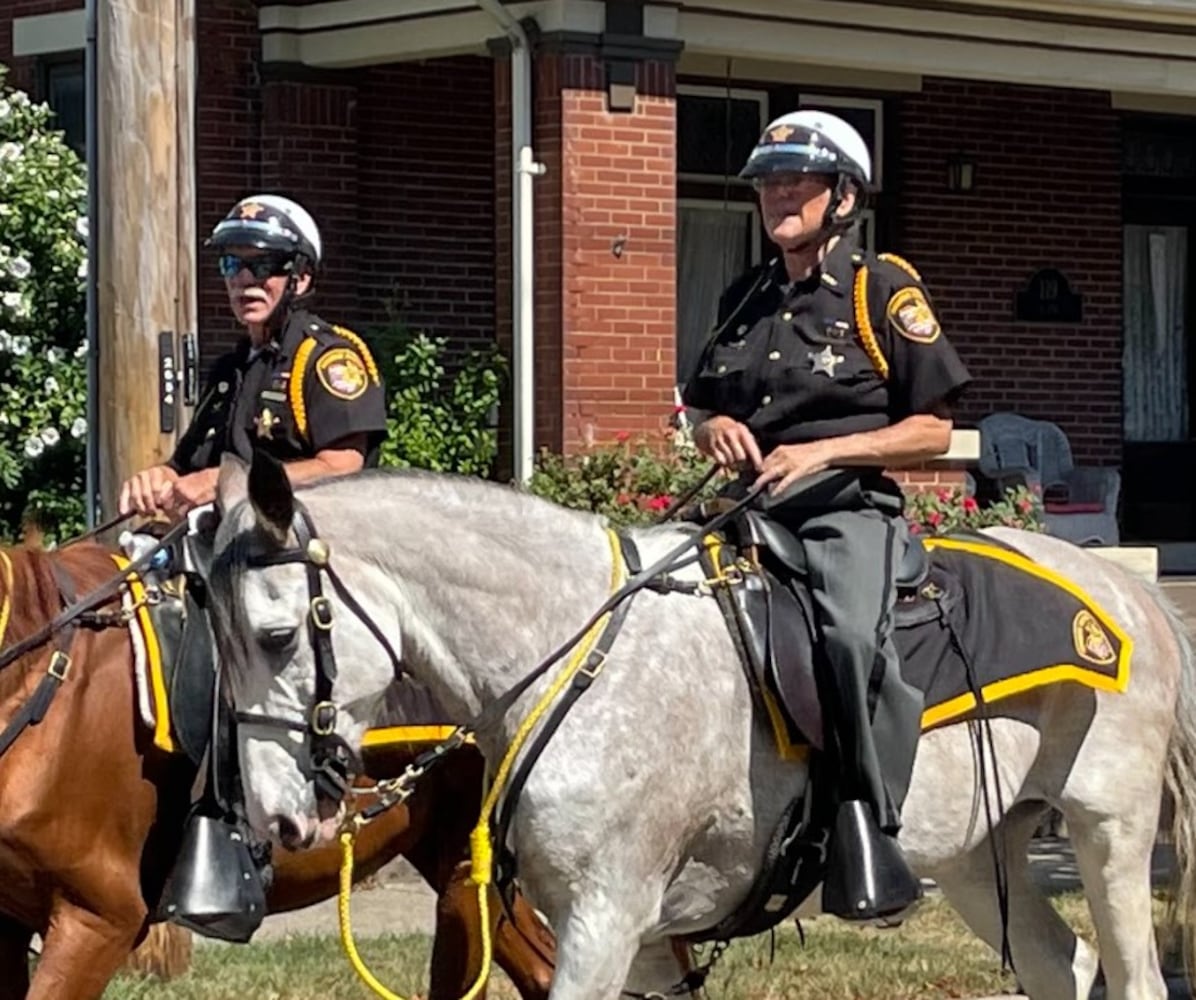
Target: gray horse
647, 816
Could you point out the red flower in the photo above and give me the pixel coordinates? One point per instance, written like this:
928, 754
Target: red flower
1024, 506
915, 528
623, 436
623, 498
662, 502
970, 506
944, 496
935, 517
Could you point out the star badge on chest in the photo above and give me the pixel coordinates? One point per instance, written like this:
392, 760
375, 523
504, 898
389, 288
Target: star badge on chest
825, 361
266, 422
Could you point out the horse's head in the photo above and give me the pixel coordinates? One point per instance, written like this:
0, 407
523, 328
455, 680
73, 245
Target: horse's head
302, 691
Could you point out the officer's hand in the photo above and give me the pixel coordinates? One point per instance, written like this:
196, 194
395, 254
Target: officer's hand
787, 463
148, 492
728, 442
194, 490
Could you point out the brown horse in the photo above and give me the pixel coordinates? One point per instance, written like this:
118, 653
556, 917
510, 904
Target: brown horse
91, 816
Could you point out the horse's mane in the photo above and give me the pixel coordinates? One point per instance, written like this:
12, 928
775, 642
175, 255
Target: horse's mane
34, 598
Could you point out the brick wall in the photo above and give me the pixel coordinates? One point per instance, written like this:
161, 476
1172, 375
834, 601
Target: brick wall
1047, 195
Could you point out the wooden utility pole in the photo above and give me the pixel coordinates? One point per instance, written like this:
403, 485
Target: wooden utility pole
145, 59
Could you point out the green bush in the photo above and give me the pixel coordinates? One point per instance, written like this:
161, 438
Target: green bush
435, 420
43, 269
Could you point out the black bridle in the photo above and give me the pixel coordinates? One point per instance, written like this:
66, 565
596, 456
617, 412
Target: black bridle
329, 762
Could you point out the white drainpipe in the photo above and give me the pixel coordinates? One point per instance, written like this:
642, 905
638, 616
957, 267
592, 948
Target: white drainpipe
525, 168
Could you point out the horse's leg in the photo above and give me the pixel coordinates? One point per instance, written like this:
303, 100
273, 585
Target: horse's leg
1113, 854
599, 940
1050, 961
82, 952
14, 960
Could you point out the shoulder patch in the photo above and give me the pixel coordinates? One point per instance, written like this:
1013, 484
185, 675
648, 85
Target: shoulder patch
911, 316
342, 372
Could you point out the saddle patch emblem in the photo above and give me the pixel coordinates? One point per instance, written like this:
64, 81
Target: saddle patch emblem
911, 316
266, 422
1091, 640
342, 372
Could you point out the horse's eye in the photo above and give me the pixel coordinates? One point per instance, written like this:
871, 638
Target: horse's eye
276, 640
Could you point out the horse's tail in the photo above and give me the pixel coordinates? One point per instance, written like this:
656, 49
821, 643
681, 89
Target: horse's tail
1181, 784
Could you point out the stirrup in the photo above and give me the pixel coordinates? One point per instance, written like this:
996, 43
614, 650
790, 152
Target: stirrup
867, 877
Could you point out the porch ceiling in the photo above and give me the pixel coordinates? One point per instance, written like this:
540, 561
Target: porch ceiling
1143, 47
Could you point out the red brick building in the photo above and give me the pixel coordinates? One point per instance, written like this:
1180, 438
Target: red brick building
1011, 136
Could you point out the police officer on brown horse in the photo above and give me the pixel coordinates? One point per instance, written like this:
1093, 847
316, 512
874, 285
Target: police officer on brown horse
307, 393
295, 386
827, 367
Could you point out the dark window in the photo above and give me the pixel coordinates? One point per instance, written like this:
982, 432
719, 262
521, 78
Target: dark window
63, 91
715, 134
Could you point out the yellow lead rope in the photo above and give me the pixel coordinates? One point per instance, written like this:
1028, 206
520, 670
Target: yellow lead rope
481, 856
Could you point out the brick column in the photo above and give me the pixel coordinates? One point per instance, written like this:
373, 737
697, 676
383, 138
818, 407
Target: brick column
605, 252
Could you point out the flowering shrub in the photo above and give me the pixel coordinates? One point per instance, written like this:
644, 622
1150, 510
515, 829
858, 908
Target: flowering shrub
43, 267
629, 481
937, 512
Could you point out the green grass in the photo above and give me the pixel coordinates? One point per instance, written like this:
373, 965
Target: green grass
932, 955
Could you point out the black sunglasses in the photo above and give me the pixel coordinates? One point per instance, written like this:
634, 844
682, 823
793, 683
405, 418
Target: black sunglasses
261, 267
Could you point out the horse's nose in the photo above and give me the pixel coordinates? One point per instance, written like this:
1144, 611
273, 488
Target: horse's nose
292, 836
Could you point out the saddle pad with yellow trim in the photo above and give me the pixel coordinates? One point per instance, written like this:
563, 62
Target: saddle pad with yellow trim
986, 618
148, 667
1020, 625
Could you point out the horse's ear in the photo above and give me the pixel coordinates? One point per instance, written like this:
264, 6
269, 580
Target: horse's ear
271, 495
232, 484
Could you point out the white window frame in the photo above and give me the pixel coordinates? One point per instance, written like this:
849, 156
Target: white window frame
735, 94
873, 104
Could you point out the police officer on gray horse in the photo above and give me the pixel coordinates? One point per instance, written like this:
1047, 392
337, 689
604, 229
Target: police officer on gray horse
828, 366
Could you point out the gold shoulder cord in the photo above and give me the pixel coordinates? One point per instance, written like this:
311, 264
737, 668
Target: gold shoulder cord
901, 262
298, 370
863, 323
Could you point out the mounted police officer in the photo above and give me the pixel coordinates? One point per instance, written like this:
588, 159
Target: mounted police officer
306, 392
309, 394
828, 366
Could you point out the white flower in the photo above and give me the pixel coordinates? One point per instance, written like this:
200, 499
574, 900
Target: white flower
21, 345
20, 98
50, 384
52, 194
50, 435
54, 355
4, 418
34, 447
82, 227
78, 428
81, 350
10, 151
19, 267
5, 110
6, 340
82, 272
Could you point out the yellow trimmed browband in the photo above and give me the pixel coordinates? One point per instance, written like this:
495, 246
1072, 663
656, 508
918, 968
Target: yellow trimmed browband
863, 323
299, 370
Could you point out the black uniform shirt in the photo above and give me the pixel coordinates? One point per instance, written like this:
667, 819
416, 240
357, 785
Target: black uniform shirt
791, 363
249, 402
